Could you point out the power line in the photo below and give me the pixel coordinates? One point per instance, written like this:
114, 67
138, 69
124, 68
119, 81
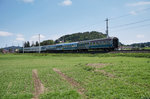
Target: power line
123, 25
145, 25
114, 18
125, 15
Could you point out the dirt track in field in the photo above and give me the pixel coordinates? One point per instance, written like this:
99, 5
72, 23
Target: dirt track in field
106, 73
101, 65
97, 65
71, 81
38, 86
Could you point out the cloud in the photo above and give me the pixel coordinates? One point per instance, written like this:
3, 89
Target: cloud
134, 41
138, 11
28, 1
36, 37
133, 13
140, 36
3, 33
66, 3
20, 37
141, 3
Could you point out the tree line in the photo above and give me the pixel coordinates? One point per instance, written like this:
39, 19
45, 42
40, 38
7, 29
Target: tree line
142, 45
46, 42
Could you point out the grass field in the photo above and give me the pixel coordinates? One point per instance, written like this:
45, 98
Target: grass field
75, 76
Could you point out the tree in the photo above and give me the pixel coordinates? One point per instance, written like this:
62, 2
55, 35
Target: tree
36, 44
81, 36
25, 44
47, 42
1, 50
28, 44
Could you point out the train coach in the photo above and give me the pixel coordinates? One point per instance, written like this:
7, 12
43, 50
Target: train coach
106, 44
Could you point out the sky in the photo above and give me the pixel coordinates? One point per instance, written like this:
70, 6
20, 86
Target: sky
23, 20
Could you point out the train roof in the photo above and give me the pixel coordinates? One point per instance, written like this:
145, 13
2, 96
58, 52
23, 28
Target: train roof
63, 44
98, 39
67, 43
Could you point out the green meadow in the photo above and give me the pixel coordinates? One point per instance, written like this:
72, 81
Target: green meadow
102, 76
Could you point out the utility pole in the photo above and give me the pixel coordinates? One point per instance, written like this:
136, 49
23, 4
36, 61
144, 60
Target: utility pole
23, 46
39, 44
107, 27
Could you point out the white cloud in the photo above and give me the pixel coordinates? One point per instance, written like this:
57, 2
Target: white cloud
134, 41
66, 3
138, 11
133, 13
141, 3
20, 37
140, 36
36, 37
128, 42
28, 1
3, 33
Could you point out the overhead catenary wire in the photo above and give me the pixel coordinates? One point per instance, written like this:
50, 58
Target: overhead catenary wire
132, 23
115, 18
139, 26
129, 14
102, 28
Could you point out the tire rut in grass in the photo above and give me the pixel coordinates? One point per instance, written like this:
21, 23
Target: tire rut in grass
101, 65
38, 86
71, 81
106, 73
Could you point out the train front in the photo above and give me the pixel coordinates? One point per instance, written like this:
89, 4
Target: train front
115, 42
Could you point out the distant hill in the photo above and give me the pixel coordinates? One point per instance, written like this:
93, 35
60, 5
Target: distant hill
146, 44
12, 47
81, 36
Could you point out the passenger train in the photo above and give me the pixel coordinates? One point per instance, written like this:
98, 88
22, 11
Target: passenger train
107, 44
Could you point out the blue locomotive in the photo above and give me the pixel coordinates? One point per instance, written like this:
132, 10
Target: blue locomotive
106, 44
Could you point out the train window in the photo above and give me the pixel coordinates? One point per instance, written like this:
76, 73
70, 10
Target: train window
107, 42
99, 42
